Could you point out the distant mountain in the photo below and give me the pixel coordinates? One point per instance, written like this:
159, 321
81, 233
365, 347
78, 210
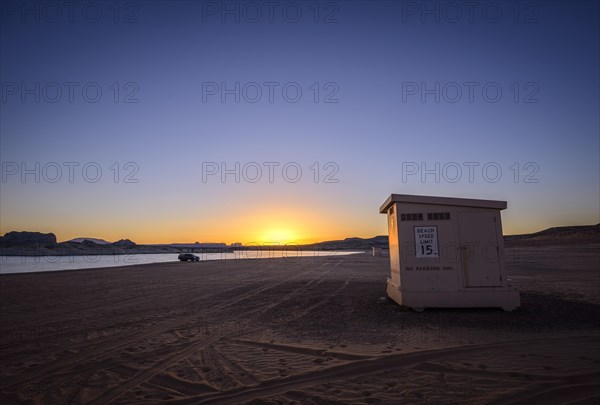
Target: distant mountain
352, 243
124, 243
95, 240
22, 238
562, 234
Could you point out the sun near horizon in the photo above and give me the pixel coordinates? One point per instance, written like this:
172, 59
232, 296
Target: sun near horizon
252, 225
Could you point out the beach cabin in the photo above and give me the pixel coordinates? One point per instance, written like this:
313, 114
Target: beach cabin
447, 252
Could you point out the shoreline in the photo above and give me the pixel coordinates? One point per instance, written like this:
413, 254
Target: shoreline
157, 252
175, 260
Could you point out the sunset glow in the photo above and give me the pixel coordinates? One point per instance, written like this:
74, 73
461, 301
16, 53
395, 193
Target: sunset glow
279, 236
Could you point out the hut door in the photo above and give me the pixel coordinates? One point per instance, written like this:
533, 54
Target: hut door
479, 249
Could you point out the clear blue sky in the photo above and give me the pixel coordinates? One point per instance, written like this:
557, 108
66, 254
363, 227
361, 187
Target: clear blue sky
388, 106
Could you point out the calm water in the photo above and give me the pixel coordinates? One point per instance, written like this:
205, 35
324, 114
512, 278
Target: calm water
28, 264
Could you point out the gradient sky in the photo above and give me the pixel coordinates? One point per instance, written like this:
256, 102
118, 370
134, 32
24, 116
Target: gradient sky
376, 56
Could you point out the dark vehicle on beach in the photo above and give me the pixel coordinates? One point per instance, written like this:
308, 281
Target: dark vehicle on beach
184, 257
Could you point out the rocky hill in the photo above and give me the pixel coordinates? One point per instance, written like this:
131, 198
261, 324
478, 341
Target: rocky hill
352, 243
20, 238
555, 235
95, 240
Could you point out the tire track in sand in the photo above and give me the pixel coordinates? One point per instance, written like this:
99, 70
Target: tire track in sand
357, 368
108, 346
176, 357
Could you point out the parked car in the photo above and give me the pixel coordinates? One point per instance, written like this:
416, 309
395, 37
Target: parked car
184, 257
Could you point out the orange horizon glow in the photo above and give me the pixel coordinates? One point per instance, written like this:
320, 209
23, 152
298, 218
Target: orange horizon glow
252, 231
289, 222
270, 237
289, 226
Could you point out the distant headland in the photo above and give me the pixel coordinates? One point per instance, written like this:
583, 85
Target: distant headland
28, 243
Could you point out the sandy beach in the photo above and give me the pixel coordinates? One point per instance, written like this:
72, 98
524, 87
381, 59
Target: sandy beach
297, 330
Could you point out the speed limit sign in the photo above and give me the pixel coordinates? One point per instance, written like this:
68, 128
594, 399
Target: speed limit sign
426, 242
